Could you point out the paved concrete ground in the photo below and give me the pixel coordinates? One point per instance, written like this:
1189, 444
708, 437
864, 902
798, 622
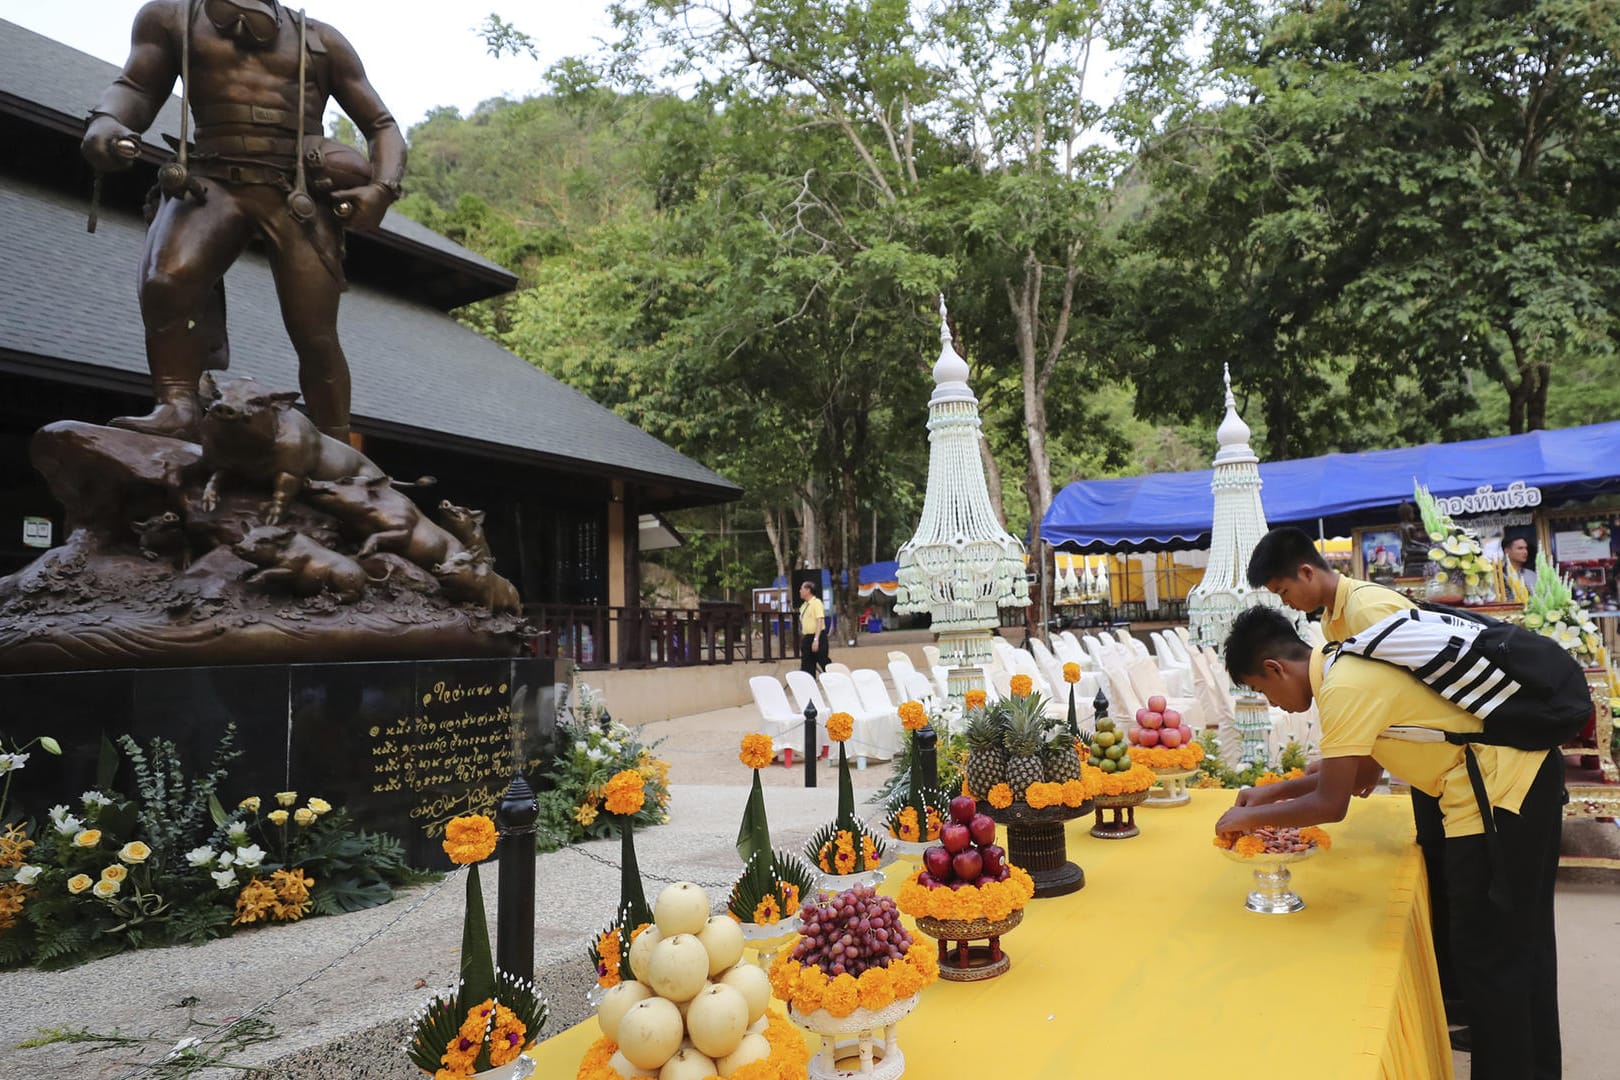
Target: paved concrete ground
373, 968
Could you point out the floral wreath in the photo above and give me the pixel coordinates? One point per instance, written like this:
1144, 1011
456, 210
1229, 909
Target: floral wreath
807, 988
1162, 757
993, 901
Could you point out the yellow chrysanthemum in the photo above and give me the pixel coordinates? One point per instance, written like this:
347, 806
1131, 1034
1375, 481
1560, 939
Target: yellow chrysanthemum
625, 793
585, 813
757, 751
1071, 672
974, 699
1021, 685
840, 726
469, 839
1249, 846
913, 716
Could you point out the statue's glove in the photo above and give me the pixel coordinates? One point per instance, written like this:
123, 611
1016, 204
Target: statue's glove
108, 145
366, 205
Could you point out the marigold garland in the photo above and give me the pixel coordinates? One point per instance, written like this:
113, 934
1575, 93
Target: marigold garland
840, 726
1000, 797
757, 751
1163, 757
1071, 672
1041, 795
625, 793
808, 988
1269, 777
1137, 778
994, 901
974, 699
789, 1056
469, 839
1021, 685
913, 716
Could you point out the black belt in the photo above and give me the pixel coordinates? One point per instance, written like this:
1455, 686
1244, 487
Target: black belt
208, 116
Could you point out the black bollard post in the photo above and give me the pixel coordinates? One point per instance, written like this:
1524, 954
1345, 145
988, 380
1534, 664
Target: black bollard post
810, 745
925, 748
1099, 708
514, 913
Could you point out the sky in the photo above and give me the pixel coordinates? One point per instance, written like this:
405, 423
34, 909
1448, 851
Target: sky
419, 55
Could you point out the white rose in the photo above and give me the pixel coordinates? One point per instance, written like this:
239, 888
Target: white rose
250, 856
200, 856
225, 879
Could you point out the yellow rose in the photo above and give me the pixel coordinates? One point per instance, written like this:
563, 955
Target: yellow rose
303, 816
78, 883
87, 838
277, 817
134, 852
251, 803
114, 873
286, 798
320, 806
107, 888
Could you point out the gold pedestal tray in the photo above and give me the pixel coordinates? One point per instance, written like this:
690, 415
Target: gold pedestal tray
1123, 808
968, 962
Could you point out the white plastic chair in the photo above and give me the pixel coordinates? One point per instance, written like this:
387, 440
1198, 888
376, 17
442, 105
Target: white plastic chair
931, 654
876, 733
841, 669
918, 687
1005, 655
776, 717
898, 675
1070, 651
806, 692
870, 689
898, 657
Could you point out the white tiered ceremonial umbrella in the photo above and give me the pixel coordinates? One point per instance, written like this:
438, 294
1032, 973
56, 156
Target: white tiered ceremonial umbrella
960, 566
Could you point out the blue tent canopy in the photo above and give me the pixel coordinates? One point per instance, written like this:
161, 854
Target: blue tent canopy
879, 576
1170, 511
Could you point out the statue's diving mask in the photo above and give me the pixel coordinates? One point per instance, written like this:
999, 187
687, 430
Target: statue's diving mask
247, 22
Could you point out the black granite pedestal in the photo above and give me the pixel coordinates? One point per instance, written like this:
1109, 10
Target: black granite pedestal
404, 746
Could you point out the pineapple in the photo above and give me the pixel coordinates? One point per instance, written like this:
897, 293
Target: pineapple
1026, 739
1062, 761
987, 764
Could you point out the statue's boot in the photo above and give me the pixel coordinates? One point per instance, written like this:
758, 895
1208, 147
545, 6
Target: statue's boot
174, 416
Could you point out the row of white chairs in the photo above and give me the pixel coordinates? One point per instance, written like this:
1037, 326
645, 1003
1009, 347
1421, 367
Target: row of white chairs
860, 693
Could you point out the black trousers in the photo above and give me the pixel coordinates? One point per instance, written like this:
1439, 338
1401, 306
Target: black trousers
1431, 838
808, 657
1506, 959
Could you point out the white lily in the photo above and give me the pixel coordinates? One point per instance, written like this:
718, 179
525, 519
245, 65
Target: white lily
200, 856
250, 856
224, 879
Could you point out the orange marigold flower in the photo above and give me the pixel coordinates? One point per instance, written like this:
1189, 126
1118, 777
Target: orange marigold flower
469, 839
1000, 797
789, 893
1313, 835
757, 751
1268, 777
766, 912
1071, 672
1249, 846
1039, 796
1021, 685
1074, 793
913, 716
840, 726
974, 699
625, 793
1293, 774
784, 976
842, 997
1222, 842
875, 989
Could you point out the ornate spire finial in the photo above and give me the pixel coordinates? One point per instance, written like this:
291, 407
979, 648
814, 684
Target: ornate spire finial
950, 370
1226, 374
1233, 434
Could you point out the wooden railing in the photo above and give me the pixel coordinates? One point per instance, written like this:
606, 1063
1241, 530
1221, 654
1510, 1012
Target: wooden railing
606, 637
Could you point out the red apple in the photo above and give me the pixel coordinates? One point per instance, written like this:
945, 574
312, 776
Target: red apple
1157, 703
1153, 720
1149, 738
960, 884
994, 856
968, 864
956, 838
1171, 737
1006, 872
1172, 718
963, 809
1135, 736
927, 880
938, 862
984, 879
983, 829
1140, 713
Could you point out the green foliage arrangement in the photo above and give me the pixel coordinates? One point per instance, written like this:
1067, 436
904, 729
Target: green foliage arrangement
1212, 772
591, 747
169, 866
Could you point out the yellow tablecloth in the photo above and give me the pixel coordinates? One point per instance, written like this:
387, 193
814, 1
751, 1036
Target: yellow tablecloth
1155, 969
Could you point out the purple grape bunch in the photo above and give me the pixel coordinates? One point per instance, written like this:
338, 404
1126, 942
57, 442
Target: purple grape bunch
851, 932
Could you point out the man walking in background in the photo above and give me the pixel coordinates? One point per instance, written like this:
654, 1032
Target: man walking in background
812, 629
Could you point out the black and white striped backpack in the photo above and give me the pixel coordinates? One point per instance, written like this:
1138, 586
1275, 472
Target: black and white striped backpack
1530, 692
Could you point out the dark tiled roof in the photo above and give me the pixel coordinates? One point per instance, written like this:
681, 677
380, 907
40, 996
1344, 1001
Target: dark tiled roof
63, 81
66, 295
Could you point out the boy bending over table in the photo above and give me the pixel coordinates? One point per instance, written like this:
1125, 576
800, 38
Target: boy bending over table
1505, 952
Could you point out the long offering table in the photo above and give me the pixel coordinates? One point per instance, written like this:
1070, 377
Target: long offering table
1155, 969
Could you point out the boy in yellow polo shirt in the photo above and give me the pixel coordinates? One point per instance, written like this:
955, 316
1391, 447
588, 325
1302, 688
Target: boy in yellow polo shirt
1506, 957
1287, 563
